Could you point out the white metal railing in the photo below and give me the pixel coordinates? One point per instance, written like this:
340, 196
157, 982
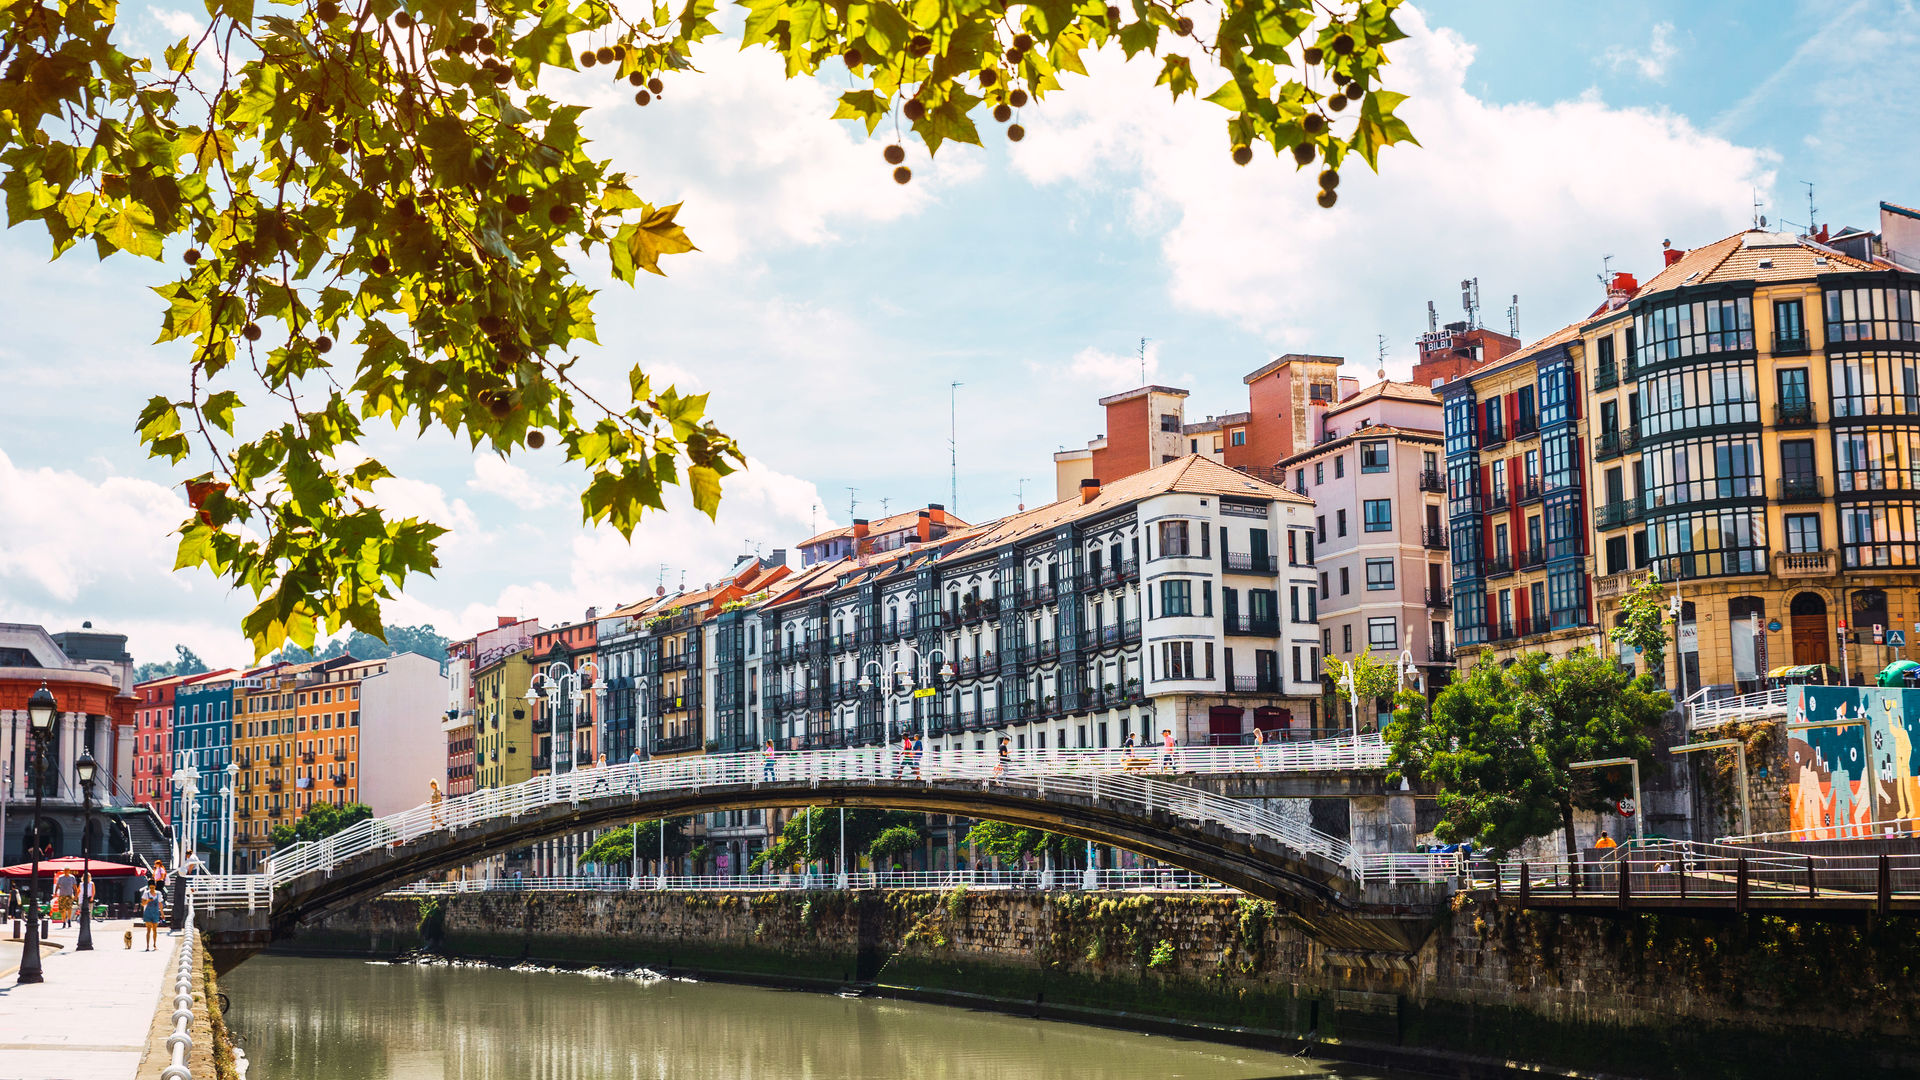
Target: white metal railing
1110, 777
180, 1043
1409, 867
230, 892
1137, 878
1707, 714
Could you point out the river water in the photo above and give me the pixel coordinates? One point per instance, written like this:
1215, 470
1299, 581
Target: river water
314, 1019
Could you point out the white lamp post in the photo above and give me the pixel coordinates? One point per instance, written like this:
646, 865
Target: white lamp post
920, 670
575, 683
226, 851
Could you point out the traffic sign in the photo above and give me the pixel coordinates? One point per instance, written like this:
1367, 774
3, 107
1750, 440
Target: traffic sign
1879, 634
1774, 626
1897, 638
1625, 806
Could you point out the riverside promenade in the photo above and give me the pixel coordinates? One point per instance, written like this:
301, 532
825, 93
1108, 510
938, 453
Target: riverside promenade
93, 1017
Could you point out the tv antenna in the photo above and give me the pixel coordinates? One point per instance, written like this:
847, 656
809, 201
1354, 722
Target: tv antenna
853, 500
1811, 211
1381, 353
883, 506
1143, 360
953, 445
1759, 219
1606, 271
1470, 300
1020, 493
1513, 317
1433, 319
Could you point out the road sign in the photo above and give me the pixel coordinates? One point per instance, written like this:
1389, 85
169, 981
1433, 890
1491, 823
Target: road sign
925, 691
1625, 806
1879, 634
1774, 626
1897, 638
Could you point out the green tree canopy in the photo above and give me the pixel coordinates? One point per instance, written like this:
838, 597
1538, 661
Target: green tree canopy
319, 822
1012, 844
422, 639
1496, 744
814, 834
185, 663
895, 841
376, 210
1643, 624
1373, 677
615, 846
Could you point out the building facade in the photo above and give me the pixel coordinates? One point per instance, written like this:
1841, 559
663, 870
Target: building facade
202, 745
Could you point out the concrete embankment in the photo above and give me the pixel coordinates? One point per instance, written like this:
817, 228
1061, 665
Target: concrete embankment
1491, 990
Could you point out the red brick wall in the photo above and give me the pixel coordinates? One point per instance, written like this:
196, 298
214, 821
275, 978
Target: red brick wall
1270, 428
1128, 433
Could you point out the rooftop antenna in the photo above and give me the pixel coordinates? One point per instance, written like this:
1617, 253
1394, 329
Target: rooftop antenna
1759, 219
1433, 319
813, 520
683, 581
1470, 300
1513, 317
1382, 351
661, 581
1020, 493
1606, 271
883, 506
1811, 211
853, 500
953, 446
1143, 360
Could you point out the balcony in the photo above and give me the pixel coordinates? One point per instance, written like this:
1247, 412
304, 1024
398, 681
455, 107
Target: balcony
1250, 563
339, 779
1617, 514
1794, 414
1606, 377
1526, 427
307, 758
542, 724
1433, 480
1529, 558
274, 785
1615, 585
1499, 566
1490, 440
1531, 490
1497, 502
1433, 538
1130, 630
1790, 564
989, 663
1606, 444
1256, 625
1800, 489
1254, 684
1036, 595
1439, 599
1790, 344
339, 755
676, 662
675, 744
1439, 654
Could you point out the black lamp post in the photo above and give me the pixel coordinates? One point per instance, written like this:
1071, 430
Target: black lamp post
40, 712
83, 768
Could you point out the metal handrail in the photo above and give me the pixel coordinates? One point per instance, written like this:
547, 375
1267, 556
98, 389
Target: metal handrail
1109, 776
1134, 878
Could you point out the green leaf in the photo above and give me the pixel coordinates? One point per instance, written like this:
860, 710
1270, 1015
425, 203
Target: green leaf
179, 56
1176, 74
863, 105
656, 235
704, 483
219, 408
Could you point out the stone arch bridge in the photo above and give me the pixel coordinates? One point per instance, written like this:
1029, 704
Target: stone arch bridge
1164, 808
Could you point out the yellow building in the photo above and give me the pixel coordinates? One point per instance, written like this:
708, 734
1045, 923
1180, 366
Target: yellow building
503, 726
1753, 441
263, 730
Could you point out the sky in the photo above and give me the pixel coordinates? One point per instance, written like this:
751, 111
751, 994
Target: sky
830, 311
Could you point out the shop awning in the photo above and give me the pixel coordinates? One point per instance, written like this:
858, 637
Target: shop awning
72, 863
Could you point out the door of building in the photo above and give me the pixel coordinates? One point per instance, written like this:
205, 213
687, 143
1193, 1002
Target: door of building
1811, 641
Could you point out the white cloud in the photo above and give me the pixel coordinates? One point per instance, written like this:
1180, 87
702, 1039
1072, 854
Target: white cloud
1653, 62
496, 475
177, 22
1114, 370
1495, 191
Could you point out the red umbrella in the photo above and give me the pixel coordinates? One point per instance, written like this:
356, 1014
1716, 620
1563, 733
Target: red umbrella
50, 867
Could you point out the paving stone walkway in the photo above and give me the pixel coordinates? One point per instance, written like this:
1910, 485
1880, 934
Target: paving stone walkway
90, 1019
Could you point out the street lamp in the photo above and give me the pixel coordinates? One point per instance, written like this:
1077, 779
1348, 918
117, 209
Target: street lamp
226, 852
41, 709
83, 768
1639, 809
1352, 687
564, 678
920, 670
1866, 746
1740, 753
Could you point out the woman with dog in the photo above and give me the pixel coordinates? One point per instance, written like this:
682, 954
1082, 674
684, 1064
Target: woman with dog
150, 913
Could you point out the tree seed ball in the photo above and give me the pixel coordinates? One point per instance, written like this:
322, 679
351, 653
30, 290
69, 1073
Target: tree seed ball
380, 264
1242, 154
1184, 26
920, 45
620, 53
604, 54
327, 11
852, 58
1341, 78
323, 343
1314, 123
536, 440
518, 204
915, 109
655, 85
1014, 55
894, 154
1337, 102
902, 174
340, 146
642, 98
636, 79
1327, 198
587, 59
192, 256
560, 213
488, 48
500, 406
1303, 153
251, 331
1330, 179
402, 20
1311, 54
988, 76
1023, 42
1002, 113
1018, 99
477, 30
1113, 13
1343, 44
503, 76
1016, 133
1355, 90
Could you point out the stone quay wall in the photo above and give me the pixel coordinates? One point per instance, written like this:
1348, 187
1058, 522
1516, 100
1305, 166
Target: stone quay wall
1630, 995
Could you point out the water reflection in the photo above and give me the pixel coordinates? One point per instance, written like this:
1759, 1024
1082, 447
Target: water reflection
345, 1019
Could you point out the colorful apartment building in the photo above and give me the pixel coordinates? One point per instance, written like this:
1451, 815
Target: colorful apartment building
463, 658
503, 729
152, 742
1754, 408
565, 716
1374, 474
202, 740
263, 730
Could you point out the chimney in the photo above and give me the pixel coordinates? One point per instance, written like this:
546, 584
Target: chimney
923, 526
859, 528
1672, 254
1621, 289
592, 613
1089, 489
503, 620
938, 512
778, 558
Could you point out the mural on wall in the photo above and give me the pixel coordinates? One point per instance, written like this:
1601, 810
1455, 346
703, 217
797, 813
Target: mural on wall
1835, 787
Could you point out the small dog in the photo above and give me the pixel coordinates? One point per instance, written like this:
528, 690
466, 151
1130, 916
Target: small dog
127, 939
